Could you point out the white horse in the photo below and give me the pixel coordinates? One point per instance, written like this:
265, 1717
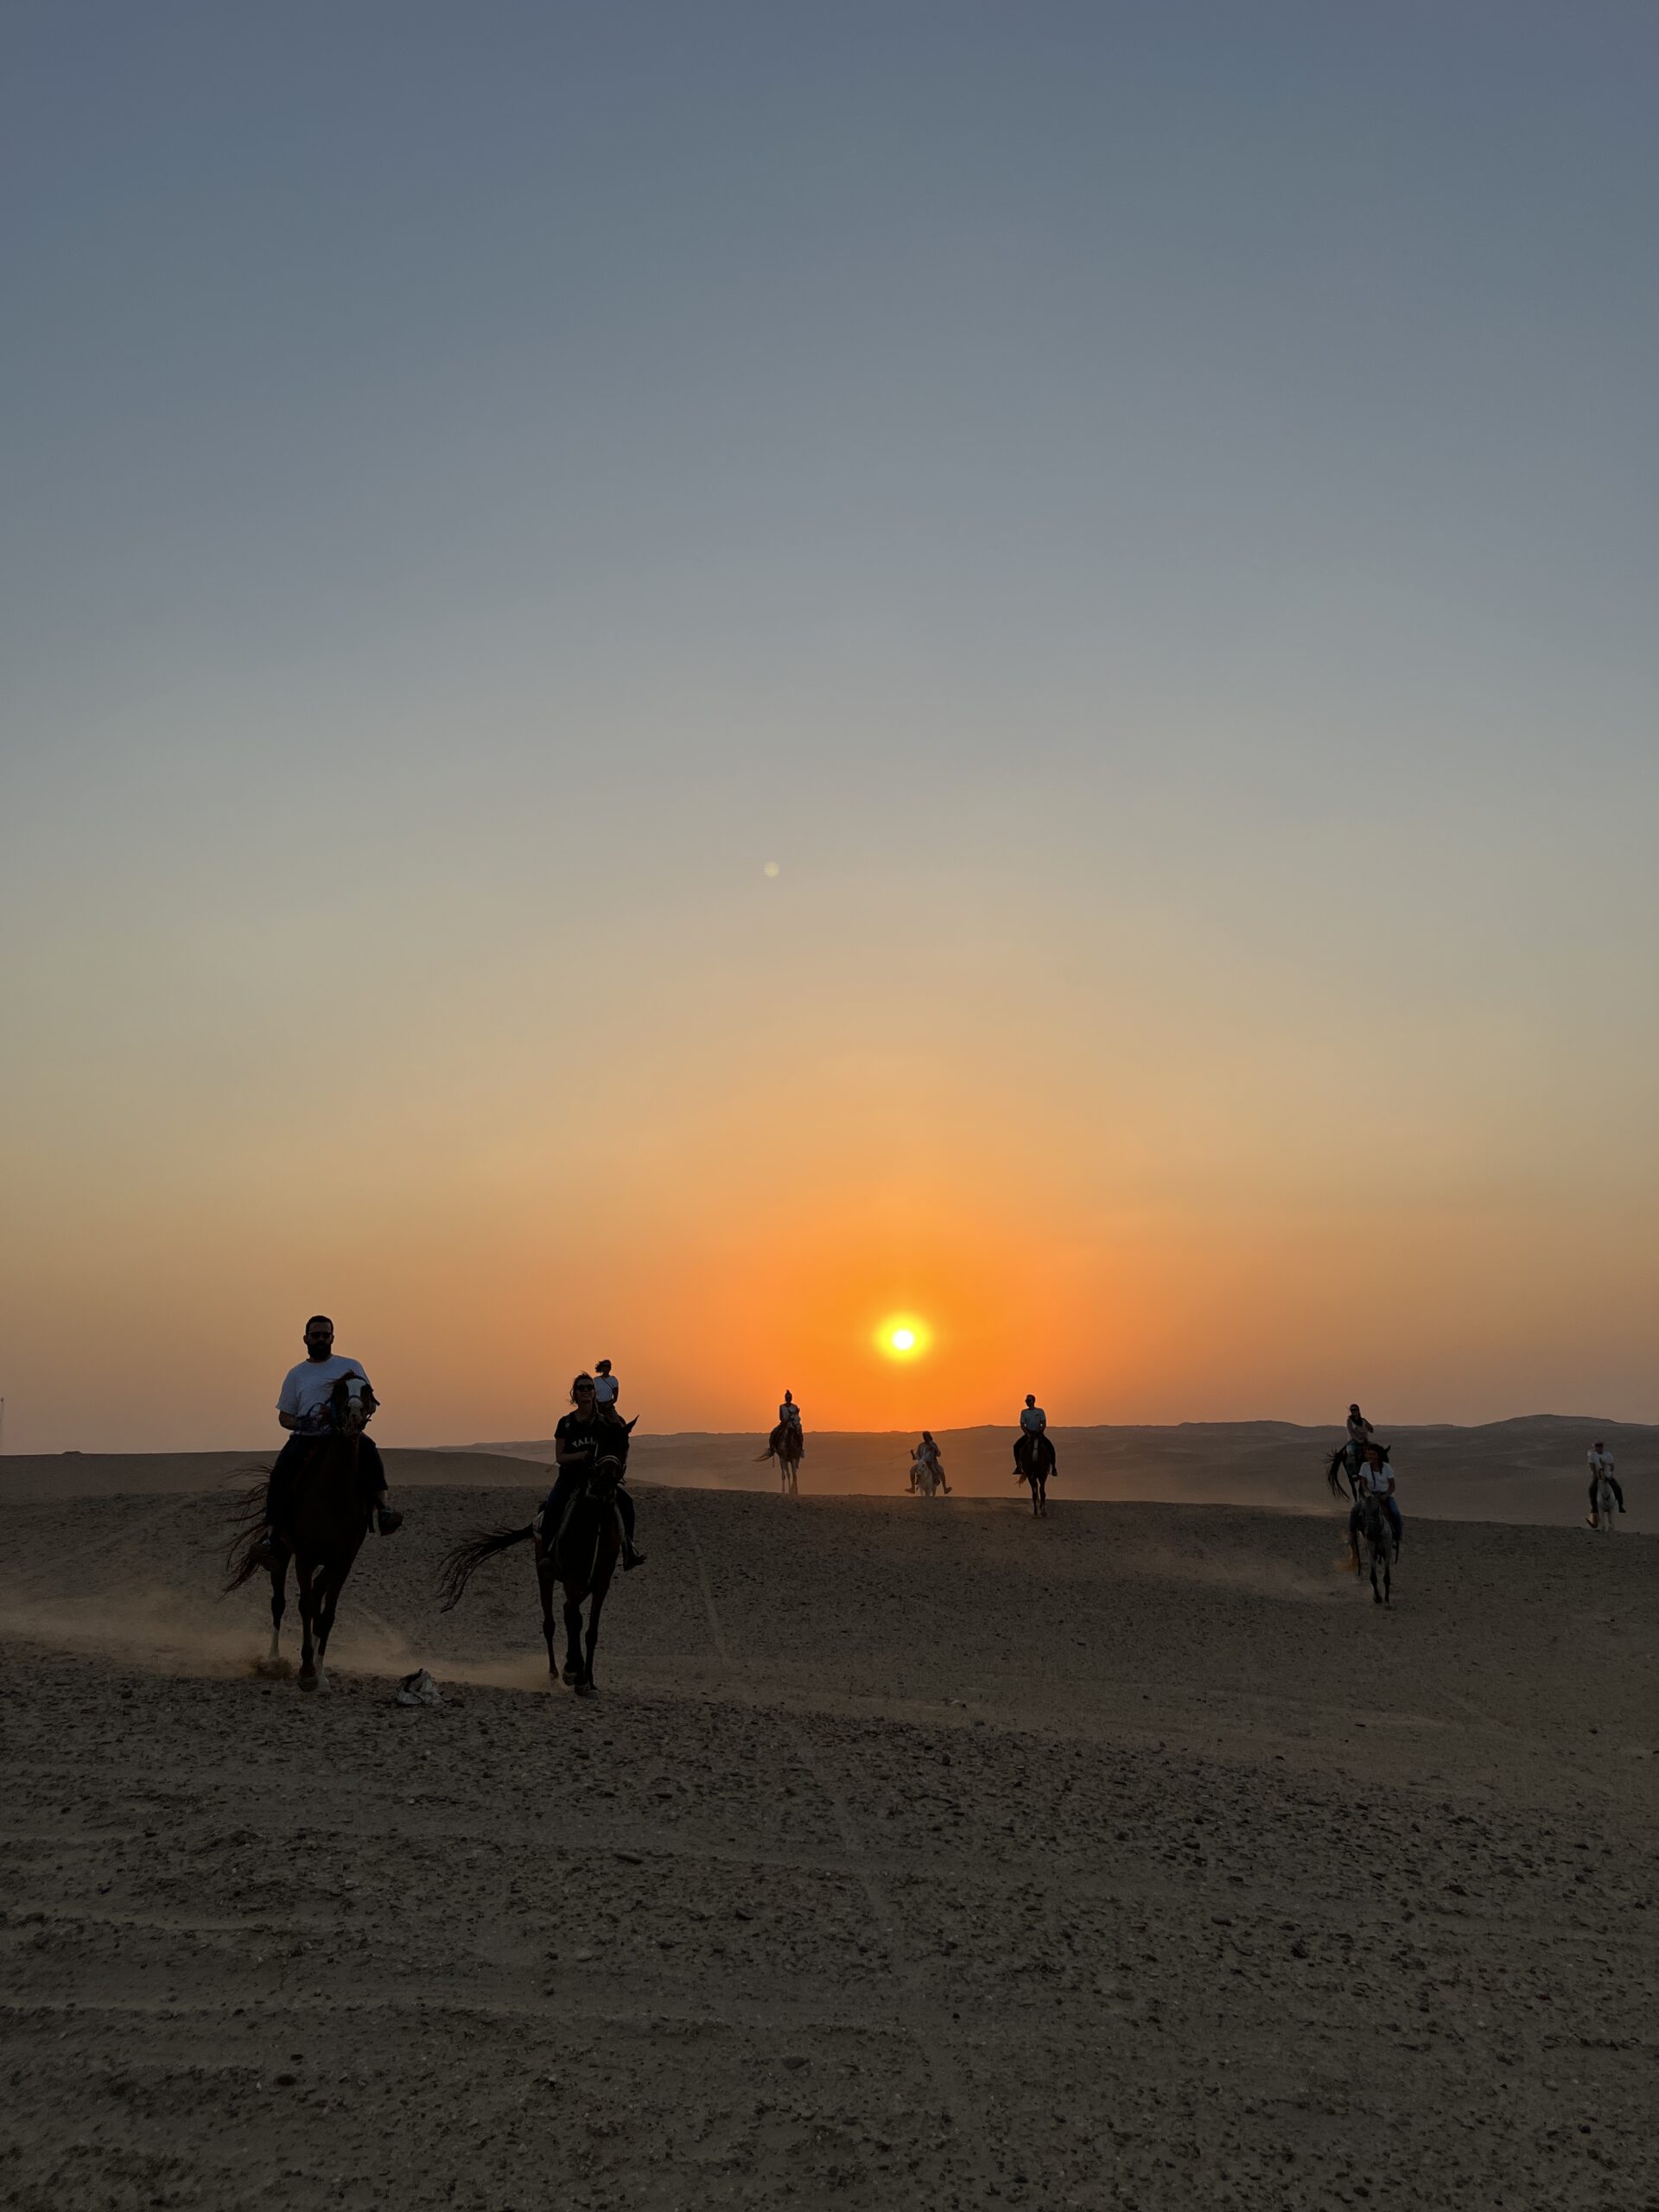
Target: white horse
1607, 1507
926, 1476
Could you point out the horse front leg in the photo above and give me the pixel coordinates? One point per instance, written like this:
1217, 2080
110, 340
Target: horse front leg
278, 1606
572, 1639
549, 1633
307, 1610
586, 1687
329, 1586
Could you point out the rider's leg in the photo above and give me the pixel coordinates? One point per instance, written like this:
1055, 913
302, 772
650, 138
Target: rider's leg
372, 1469
1618, 1495
557, 1498
1391, 1507
279, 1493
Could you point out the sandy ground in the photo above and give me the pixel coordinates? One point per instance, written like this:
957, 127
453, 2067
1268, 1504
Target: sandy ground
914, 1855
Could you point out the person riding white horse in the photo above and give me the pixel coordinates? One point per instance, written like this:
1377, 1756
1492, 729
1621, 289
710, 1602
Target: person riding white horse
789, 1414
924, 1460
1601, 1469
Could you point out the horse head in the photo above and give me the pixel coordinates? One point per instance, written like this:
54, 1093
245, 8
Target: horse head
350, 1404
605, 1473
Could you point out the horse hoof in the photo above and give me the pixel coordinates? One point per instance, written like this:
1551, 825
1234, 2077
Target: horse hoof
571, 1677
586, 1689
308, 1681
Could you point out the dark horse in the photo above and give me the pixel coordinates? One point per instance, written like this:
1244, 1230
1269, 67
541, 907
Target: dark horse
324, 1519
581, 1553
788, 1447
1378, 1540
1034, 1457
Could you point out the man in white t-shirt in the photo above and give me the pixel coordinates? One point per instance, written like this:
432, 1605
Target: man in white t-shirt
1033, 1422
303, 1409
1601, 1462
606, 1388
1376, 1477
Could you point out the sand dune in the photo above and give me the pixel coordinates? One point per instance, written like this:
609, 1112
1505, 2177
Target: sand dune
914, 1855
1529, 1471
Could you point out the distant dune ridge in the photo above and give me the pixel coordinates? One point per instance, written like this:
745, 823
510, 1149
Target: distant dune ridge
1529, 1471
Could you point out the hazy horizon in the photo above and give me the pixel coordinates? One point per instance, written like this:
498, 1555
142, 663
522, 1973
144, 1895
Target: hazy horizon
685, 678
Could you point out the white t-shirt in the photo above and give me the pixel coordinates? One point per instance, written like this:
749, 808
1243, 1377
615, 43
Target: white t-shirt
1032, 1418
606, 1388
1358, 1430
790, 1412
307, 1387
1601, 1462
1375, 1478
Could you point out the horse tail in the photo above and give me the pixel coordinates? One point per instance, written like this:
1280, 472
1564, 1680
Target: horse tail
241, 1564
1332, 1473
456, 1572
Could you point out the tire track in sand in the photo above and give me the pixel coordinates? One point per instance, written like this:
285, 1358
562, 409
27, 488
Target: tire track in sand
922, 2020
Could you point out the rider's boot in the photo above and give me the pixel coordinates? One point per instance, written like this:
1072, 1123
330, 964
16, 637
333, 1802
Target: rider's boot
386, 1521
632, 1557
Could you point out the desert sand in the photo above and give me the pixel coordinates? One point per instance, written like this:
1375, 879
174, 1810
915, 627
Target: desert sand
913, 1855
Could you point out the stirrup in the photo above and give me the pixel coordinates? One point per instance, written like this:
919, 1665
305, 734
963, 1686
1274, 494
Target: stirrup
632, 1557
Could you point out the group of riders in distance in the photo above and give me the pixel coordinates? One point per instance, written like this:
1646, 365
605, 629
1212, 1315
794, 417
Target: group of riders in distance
326, 1490
1033, 1455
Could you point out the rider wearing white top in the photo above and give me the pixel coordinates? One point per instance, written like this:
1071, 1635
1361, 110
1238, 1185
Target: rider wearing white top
1032, 1419
303, 1409
926, 1454
1376, 1477
789, 1413
606, 1388
302, 1401
1601, 1462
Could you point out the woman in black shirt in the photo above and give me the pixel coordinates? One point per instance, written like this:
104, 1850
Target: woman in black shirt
577, 1444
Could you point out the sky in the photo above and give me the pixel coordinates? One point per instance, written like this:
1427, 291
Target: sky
683, 678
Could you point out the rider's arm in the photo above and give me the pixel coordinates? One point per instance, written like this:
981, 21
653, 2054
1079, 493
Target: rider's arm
291, 1420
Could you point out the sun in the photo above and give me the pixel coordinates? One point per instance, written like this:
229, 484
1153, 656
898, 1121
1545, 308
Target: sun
901, 1336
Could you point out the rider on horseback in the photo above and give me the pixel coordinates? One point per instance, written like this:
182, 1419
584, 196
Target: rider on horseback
1359, 1436
303, 1409
1601, 1462
579, 1441
1033, 1422
926, 1455
1375, 1478
789, 1414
